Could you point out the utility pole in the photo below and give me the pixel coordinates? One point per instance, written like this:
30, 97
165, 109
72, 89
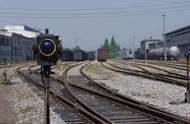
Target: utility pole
145, 54
134, 42
187, 94
76, 40
164, 36
134, 47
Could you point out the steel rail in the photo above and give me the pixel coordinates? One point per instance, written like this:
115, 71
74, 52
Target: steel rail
82, 111
145, 74
114, 99
172, 74
136, 104
168, 65
83, 104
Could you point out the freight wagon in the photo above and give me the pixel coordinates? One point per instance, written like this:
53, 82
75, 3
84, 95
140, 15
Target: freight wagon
66, 55
102, 54
91, 55
80, 55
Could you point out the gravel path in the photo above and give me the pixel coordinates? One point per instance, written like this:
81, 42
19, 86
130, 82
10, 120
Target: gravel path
153, 92
27, 105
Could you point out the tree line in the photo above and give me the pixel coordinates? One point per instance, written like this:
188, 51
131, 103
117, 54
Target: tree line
112, 47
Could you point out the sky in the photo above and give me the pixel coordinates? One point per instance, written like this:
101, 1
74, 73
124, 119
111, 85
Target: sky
91, 21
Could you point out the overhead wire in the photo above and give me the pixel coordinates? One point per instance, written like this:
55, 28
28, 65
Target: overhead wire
169, 8
99, 13
98, 9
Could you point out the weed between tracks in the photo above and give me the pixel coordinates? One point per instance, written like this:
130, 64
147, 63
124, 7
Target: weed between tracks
1, 79
97, 69
60, 68
27, 109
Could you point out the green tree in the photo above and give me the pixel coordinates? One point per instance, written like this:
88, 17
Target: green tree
118, 48
106, 44
113, 48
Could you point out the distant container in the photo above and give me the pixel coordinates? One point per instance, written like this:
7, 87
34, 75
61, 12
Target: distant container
91, 55
80, 55
66, 55
102, 54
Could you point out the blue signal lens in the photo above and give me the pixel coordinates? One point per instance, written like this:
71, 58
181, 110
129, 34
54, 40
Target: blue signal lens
47, 47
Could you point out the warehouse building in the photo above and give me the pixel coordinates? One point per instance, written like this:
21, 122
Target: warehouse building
145, 43
179, 38
145, 46
17, 46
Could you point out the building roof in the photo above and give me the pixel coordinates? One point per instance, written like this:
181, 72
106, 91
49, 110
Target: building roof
179, 30
150, 40
5, 33
23, 30
20, 27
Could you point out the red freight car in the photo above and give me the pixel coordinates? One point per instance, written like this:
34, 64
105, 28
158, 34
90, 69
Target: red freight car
102, 54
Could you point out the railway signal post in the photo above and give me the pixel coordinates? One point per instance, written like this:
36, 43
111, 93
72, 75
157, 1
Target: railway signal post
187, 94
47, 50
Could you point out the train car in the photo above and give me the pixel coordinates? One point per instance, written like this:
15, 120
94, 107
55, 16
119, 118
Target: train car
172, 53
80, 55
139, 54
66, 55
126, 54
91, 55
102, 54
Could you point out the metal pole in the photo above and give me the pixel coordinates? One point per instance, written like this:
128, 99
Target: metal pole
46, 72
187, 99
47, 113
145, 57
76, 40
134, 46
164, 33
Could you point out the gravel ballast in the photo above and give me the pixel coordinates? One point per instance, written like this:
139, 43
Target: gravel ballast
28, 106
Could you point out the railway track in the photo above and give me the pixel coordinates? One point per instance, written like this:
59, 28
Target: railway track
181, 81
110, 104
67, 109
182, 67
88, 102
169, 73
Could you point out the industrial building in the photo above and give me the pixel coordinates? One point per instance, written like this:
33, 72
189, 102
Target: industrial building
145, 46
180, 38
22, 30
16, 43
145, 43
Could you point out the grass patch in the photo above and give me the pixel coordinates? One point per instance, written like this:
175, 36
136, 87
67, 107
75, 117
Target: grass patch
1, 79
98, 69
62, 66
26, 109
92, 68
24, 96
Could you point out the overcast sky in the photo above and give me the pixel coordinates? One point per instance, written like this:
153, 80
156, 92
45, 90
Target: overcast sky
91, 21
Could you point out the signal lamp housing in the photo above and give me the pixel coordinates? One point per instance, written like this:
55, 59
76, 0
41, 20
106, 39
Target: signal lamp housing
47, 49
